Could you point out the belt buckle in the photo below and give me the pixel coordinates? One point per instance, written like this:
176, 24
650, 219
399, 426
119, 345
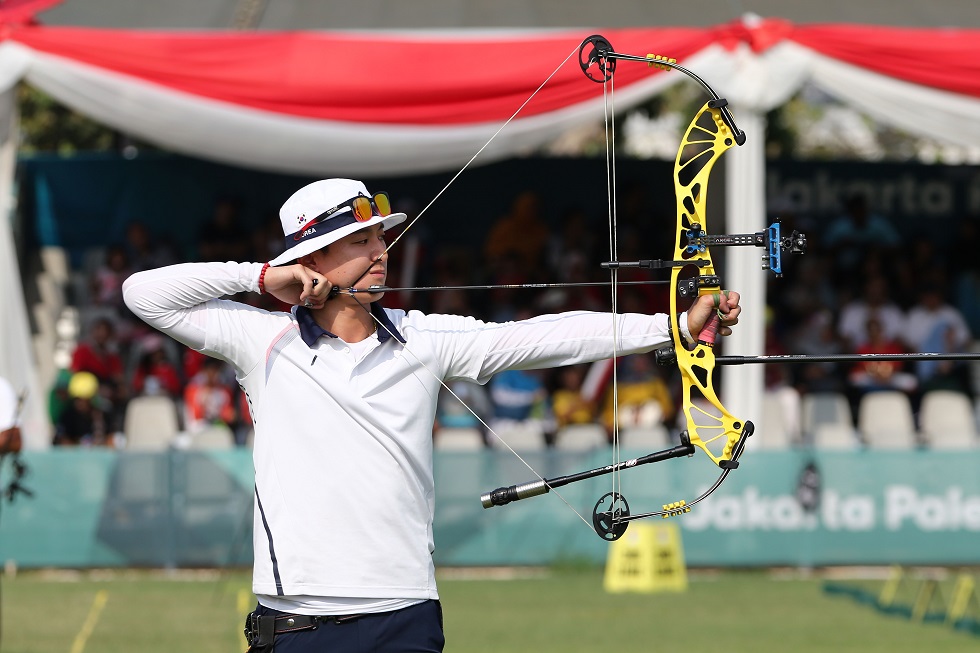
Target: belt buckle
251, 628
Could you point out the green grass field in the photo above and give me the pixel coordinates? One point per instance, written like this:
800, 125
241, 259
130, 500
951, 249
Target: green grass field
560, 610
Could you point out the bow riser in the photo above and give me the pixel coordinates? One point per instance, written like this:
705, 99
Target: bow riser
707, 138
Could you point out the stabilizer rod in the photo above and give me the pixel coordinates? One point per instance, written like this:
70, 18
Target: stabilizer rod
504, 495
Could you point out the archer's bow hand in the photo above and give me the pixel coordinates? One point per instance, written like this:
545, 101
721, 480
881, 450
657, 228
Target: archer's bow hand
723, 304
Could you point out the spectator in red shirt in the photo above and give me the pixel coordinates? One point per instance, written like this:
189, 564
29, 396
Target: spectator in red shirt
98, 354
155, 374
208, 400
877, 374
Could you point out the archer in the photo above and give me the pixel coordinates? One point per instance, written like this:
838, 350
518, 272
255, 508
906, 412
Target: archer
343, 395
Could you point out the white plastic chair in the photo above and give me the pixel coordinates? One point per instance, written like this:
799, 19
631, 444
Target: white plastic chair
778, 431
150, 423
647, 438
458, 439
581, 437
840, 437
885, 420
825, 408
212, 438
947, 420
55, 261
519, 436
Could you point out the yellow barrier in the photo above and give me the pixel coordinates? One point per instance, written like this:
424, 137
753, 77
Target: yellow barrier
648, 558
965, 602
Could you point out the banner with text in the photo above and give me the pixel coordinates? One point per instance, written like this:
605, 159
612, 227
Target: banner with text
102, 508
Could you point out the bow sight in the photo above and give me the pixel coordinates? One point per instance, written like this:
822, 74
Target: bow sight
771, 239
697, 241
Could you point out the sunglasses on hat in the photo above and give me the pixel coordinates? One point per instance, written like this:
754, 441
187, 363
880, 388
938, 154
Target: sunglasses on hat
365, 208
362, 207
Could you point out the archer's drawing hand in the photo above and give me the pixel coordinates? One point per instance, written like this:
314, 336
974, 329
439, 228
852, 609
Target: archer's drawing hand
724, 305
297, 284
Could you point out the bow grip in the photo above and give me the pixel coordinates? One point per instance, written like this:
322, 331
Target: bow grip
709, 332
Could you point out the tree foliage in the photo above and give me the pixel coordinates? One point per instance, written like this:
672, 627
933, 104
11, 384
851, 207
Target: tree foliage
51, 127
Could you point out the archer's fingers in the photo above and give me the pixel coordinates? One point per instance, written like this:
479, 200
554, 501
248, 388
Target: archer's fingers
313, 289
726, 304
726, 301
306, 279
731, 317
728, 311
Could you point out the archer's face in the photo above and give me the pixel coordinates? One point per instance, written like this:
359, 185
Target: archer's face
348, 258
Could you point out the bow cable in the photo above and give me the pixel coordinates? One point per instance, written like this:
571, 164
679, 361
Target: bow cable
609, 120
405, 346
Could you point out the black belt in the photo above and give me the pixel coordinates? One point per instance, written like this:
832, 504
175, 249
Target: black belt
260, 630
292, 622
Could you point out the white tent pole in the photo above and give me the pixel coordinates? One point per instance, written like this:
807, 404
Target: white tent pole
745, 212
17, 363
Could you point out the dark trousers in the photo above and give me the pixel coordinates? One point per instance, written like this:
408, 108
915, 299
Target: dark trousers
415, 629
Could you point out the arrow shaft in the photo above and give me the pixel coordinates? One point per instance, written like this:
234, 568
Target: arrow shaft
844, 358
511, 286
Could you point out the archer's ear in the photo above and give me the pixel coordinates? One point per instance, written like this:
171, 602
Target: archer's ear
308, 262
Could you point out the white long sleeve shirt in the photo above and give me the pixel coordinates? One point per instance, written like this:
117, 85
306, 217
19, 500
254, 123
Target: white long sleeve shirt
344, 495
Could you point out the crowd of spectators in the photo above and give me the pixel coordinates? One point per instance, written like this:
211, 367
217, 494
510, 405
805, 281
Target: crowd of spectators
118, 357
862, 287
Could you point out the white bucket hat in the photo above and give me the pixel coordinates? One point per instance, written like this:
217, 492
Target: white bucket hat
320, 213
